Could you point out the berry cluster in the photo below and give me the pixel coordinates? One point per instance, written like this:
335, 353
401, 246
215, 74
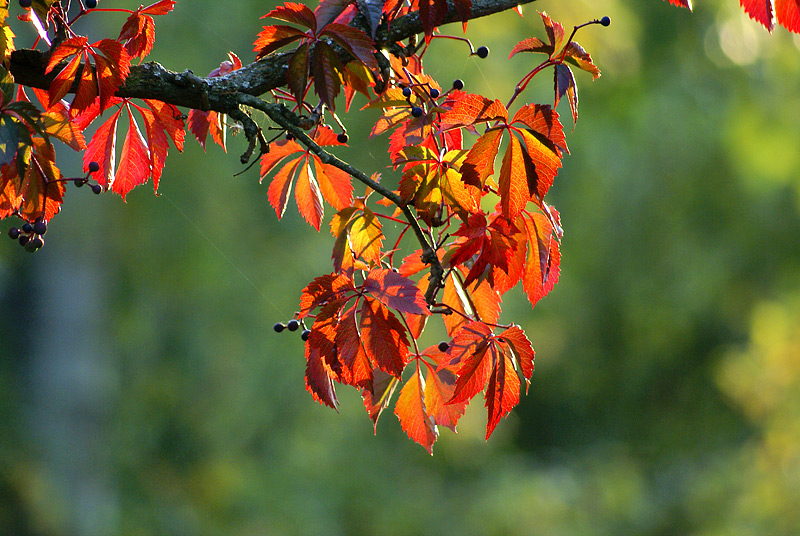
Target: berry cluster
30, 236
293, 325
80, 181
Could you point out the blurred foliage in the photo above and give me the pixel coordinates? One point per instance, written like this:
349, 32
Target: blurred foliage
142, 391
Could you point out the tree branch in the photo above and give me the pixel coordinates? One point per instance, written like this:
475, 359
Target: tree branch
152, 81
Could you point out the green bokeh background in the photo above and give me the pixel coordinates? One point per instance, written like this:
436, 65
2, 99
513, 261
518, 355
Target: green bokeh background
143, 391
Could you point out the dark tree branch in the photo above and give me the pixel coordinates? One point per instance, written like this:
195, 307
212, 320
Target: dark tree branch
152, 81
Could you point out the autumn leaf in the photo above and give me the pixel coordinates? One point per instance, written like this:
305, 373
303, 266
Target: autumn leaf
383, 336
395, 291
379, 395
142, 155
138, 34
440, 382
323, 289
314, 180
33, 187
485, 362
542, 266
414, 418
111, 67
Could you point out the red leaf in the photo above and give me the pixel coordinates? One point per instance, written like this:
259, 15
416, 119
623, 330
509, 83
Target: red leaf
355, 41
324, 289
522, 349
684, 3
377, 398
356, 368
414, 419
335, 184
564, 82
162, 7
395, 291
479, 163
318, 375
502, 393
134, 162
329, 10
39, 192
327, 74
760, 11
439, 386
308, 196
474, 371
271, 38
788, 14
138, 34
112, 64
384, 337
543, 264
473, 109
532, 44
294, 13
297, 74
513, 181
101, 149
278, 192
431, 13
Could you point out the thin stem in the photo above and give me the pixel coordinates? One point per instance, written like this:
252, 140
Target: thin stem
287, 120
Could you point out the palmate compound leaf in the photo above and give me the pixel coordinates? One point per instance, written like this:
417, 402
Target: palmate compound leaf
138, 34
487, 362
111, 67
528, 166
354, 335
31, 185
142, 156
423, 403
314, 180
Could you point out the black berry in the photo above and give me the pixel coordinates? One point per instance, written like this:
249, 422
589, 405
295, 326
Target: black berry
416, 111
25, 3
27, 228
482, 52
342, 138
79, 183
94, 167
434, 92
96, 188
91, 4
40, 227
23, 239
605, 21
14, 233
458, 84
289, 136
280, 326
443, 346
305, 334
406, 92
34, 244
292, 325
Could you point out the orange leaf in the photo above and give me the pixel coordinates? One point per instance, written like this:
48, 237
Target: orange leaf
414, 419
395, 291
384, 337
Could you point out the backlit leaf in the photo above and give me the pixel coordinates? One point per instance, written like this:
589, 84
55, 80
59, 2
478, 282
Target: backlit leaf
410, 409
